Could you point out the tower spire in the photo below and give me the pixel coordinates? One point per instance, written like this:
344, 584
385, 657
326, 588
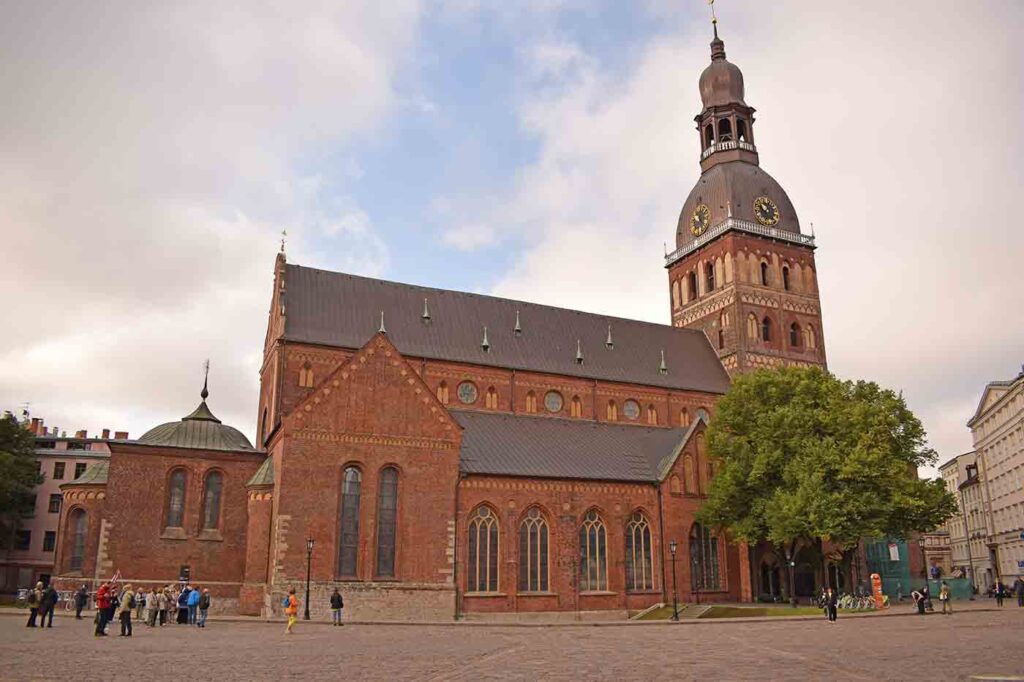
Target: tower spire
205, 393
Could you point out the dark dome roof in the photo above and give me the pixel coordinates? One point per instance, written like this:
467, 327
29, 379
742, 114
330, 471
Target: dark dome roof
721, 82
200, 430
733, 187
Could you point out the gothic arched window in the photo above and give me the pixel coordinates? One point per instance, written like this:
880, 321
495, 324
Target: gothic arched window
387, 517
652, 415
593, 554
684, 417
766, 329
811, 341
785, 277
306, 375
794, 335
212, 488
709, 276
704, 563
348, 547
689, 480
491, 398
752, 331
175, 499
639, 558
691, 282
675, 293
533, 552
613, 411
724, 130
764, 273
709, 135
442, 393
483, 551
741, 130
531, 402
79, 524
576, 407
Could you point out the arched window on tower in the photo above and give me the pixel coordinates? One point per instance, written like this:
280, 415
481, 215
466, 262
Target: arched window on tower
764, 273
724, 130
752, 331
691, 282
741, 130
785, 277
709, 135
675, 294
721, 339
766, 329
810, 339
348, 547
794, 335
709, 275
78, 530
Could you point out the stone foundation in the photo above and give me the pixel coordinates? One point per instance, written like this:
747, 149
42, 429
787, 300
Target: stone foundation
370, 601
547, 616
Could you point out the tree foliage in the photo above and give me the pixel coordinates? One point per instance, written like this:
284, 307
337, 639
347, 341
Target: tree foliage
802, 454
19, 473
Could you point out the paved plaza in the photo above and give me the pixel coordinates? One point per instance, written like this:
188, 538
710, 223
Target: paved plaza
986, 644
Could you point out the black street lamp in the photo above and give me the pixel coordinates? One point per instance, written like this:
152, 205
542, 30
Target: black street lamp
675, 595
309, 560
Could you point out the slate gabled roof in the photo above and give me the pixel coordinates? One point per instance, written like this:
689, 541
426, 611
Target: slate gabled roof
547, 447
94, 474
342, 310
264, 475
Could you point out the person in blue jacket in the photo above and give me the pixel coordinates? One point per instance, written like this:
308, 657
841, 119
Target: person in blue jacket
193, 605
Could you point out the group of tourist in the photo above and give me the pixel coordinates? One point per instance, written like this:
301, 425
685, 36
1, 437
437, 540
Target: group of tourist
152, 607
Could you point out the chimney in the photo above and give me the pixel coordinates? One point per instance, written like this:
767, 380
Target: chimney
106, 434
34, 427
81, 434
121, 435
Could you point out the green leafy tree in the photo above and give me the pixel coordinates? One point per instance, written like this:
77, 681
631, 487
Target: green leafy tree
19, 474
803, 456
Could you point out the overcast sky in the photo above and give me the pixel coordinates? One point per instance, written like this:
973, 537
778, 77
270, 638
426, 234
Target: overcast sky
151, 153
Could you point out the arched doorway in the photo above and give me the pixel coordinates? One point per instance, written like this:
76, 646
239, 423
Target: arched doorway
804, 572
771, 578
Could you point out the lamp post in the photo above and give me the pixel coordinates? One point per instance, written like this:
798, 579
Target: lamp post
675, 594
309, 561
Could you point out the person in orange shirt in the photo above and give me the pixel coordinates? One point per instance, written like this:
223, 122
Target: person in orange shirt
292, 611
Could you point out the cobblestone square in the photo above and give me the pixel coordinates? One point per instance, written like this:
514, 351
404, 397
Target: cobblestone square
974, 643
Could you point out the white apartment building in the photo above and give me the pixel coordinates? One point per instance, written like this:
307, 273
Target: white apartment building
997, 428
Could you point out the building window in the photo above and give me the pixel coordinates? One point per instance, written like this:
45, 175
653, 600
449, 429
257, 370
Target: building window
46, 444
675, 293
348, 547
49, 540
80, 469
724, 130
387, 519
58, 471
593, 554
704, 559
467, 393
639, 559
613, 411
442, 393
491, 399
576, 407
794, 335
766, 329
652, 415
533, 553
689, 480
709, 276
211, 500
674, 486
810, 340
306, 375
764, 273
553, 401
752, 331
684, 417
22, 539
721, 338
483, 551
176, 499
785, 277
78, 527
55, 502
531, 402
691, 281
631, 410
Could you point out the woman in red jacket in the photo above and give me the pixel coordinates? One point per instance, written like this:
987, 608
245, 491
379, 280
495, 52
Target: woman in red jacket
103, 609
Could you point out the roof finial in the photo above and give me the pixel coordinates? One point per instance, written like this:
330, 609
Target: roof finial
717, 46
284, 237
663, 368
517, 330
426, 312
714, 19
205, 393
812, 230
382, 330
608, 342
579, 353
485, 344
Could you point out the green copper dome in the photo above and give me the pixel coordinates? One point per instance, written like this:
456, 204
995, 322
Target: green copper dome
200, 430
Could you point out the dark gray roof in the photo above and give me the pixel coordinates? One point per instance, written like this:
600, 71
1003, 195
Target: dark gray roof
264, 475
94, 474
200, 430
338, 309
546, 447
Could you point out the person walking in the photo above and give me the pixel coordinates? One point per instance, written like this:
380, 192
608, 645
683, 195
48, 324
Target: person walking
127, 606
337, 604
48, 604
1018, 589
204, 607
831, 605
291, 610
944, 597
151, 607
1000, 592
102, 609
193, 605
34, 599
81, 598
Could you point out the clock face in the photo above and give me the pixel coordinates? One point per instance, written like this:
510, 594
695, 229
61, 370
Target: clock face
766, 212
700, 220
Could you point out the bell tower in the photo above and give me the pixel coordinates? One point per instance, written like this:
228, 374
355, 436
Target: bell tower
743, 271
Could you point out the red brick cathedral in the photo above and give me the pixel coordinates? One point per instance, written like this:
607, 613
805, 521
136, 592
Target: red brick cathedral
438, 454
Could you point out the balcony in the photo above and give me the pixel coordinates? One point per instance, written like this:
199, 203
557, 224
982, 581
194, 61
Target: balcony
728, 145
739, 226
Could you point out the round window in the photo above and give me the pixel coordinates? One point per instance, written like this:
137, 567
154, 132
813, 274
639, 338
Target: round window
631, 409
553, 401
467, 392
